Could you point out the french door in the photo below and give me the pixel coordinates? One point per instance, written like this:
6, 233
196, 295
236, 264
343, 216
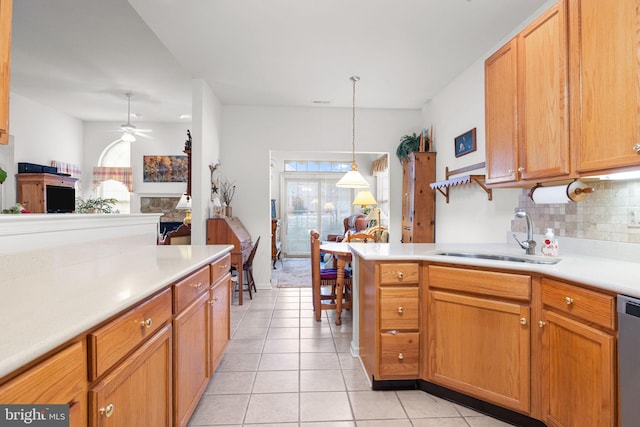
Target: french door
312, 201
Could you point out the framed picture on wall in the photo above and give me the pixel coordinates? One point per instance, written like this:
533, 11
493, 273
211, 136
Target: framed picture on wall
465, 143
165, 169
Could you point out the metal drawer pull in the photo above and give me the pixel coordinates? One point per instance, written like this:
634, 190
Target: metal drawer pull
520, 169
541, 324
146, 323
400, 275
223, 267
568, 300
636, 148
400, 310
108, 411
213, 301
400, 356
523, 320
196, 285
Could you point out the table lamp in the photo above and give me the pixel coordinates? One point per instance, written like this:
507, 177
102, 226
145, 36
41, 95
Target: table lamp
185, 204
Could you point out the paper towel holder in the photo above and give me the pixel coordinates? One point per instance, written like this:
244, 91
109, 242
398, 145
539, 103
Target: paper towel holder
576, 191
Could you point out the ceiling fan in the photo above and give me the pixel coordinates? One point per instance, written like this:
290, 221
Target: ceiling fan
129, 131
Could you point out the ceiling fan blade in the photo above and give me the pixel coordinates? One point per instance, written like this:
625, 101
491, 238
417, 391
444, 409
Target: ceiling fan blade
142, 130
143, 135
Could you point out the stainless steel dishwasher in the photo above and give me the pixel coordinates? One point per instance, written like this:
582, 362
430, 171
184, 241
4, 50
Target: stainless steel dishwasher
629, 359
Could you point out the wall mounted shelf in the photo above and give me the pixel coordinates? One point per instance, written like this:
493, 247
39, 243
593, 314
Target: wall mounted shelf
443, 186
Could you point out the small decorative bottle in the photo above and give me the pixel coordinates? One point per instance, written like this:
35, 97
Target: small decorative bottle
549, 244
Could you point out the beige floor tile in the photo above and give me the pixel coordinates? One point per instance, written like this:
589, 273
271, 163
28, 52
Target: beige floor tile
419, 404
310, 322
376, 405
440, 422
261, 314
231, 383
343, 345
249, 333
250, 322
287, 322
292, 298
355, 379
267, 305
330, 424
384, 423
272, 408
484, 421
276, 382
244, 346
208, 412
280, 314
325, 406
287, 305
315, 333
283, 333
279, 362
320, 345
319, 361
347, 361
281, 346
321, 381
239, 362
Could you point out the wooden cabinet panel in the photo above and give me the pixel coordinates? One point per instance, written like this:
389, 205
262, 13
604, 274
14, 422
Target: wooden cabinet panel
138, 391
418, 200
220, 314
505, 285
399, 273
188, 289
543, 109
605, 83
32, 189
113, 341
399, 355
399, 308
220, 268
590, 306
578, 373
190, 349
5, 57
501, 97
60, 379
481, 347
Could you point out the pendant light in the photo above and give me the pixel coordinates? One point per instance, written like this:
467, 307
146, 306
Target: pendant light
353, 178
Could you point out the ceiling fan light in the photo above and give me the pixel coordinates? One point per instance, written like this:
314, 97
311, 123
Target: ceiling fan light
128, 137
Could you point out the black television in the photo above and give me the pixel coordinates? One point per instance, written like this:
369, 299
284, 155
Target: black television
60, 199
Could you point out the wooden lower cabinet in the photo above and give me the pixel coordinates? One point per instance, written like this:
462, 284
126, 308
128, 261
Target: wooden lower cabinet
138, 391
579, 369
220, 315
60, 379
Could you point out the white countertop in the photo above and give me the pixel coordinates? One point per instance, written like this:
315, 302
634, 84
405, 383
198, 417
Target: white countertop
619, 276
50, 296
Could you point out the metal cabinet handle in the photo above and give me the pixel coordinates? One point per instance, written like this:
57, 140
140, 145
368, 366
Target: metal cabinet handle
108, 411
541, 324
213, 300
510, 171
400, 275
520, 169
636, 148
196, 285
523, 320
400, 310
400, 356
146, 323
568, 300
223, 267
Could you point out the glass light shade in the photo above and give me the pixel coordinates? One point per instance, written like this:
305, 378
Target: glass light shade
353, 179
128, 137
365, 198
184, 203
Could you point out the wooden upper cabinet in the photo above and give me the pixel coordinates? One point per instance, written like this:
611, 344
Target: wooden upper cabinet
5, 56
526, 109
543, 111
500, 114
605, 83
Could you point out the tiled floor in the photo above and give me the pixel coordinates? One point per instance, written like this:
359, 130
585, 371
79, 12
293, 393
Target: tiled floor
282, 368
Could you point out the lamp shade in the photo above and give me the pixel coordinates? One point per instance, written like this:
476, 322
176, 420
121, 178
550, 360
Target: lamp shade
184, 202
364, 198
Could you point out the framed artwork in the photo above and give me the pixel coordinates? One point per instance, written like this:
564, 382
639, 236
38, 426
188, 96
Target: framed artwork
165, 169
465, 143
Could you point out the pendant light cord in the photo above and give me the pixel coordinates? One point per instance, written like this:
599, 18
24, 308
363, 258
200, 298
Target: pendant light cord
353, 122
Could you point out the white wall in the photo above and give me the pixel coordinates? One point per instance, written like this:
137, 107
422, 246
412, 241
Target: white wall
250, 133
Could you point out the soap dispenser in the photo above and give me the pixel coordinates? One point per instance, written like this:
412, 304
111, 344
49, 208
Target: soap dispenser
549, 244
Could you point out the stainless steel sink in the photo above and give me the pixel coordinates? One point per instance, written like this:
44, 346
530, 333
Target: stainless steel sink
500, 257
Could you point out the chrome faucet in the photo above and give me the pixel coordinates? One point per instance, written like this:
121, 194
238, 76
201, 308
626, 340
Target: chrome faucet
529, 245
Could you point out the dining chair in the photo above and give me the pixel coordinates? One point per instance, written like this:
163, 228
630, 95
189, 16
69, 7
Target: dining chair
247, 272
361, 237
324, 280
180, 236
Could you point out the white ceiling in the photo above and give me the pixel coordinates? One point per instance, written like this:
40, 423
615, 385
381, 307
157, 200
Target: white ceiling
81, 56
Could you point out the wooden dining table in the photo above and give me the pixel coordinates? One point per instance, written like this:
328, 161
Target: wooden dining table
343, 256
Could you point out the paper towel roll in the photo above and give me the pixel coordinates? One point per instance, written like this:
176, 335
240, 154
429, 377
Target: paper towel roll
574, 192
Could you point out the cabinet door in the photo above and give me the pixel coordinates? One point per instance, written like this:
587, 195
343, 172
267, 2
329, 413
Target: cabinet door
5, 55
500, 82
220, 305
480, 347
605, 83
191, 367
138, 391
543, 111
578, 373
408, 171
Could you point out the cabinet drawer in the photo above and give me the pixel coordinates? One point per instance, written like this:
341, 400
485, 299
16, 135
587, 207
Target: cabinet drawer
113, 341
506, 285
399, 308
187, 290
592, 306
399, 273
220, 267
399, 355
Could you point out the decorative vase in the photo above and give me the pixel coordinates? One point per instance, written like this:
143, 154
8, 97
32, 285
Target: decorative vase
227, 211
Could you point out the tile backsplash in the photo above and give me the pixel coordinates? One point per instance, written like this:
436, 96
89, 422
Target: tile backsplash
611, 212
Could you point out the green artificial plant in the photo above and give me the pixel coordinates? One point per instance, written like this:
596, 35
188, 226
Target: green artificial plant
408, 144
97, 205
